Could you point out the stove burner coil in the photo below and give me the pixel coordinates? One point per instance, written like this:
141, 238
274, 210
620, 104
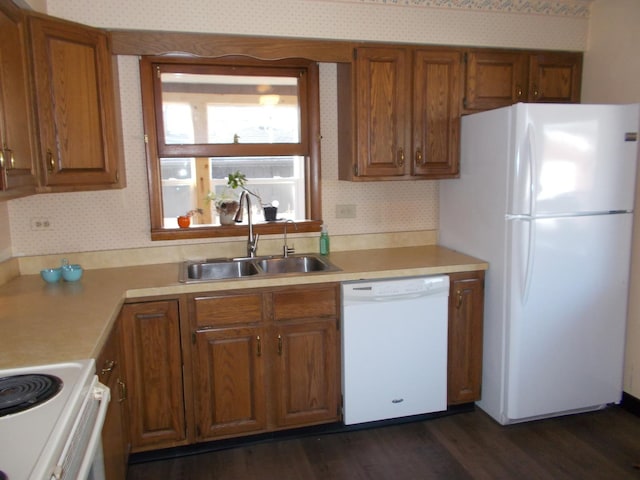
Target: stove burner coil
22, 392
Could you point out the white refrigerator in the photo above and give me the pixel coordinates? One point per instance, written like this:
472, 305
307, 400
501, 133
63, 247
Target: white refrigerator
546, 196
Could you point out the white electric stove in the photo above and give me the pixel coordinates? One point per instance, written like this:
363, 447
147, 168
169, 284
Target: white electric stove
51, 419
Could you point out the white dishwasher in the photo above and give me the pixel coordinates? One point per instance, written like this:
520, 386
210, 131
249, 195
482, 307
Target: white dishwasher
394, 347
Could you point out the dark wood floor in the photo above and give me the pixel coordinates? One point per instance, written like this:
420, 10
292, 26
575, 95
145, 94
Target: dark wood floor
597, 445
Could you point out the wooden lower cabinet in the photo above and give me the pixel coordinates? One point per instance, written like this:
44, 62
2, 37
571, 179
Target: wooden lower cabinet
229, 387
305, 373
115, 443
271, 365
258, 360
466, 312
153, 360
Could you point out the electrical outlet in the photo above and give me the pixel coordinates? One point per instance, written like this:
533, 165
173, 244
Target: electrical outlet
41, 224
345, 211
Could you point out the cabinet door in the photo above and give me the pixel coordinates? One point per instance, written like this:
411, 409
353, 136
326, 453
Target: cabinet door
154, 372
304, 338
115, 444
382, 93
555, 77
466, 305
436, 113
73, 73
305, 373
17, 150
229, 382
494, 79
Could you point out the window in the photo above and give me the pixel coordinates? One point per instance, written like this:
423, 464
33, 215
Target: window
205, 119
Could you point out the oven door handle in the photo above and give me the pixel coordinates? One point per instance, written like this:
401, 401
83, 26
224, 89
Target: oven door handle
67, 465
102, 394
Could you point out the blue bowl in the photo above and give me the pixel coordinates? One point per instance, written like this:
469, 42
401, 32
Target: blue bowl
72, 273
51, 275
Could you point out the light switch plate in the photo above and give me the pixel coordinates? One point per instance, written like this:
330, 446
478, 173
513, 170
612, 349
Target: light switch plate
345, 211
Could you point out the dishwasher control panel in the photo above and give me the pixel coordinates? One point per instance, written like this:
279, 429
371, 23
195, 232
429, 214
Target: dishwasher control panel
386, 288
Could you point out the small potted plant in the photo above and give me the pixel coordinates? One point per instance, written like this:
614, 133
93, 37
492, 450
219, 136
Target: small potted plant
226, 203
185, 220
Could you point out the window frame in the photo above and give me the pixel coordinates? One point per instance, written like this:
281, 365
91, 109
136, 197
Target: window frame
308, 147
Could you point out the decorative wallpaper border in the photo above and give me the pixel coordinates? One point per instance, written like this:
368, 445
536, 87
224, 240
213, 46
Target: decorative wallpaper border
562, 8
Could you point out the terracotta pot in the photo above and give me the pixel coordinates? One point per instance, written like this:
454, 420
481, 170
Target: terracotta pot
184, 221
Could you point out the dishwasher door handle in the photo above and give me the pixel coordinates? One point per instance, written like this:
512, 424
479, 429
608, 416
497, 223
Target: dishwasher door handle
356, 299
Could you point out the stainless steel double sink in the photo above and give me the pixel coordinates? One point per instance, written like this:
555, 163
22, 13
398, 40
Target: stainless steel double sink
227, 268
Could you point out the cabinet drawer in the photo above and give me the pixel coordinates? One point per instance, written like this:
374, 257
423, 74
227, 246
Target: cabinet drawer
228, 309
305, 302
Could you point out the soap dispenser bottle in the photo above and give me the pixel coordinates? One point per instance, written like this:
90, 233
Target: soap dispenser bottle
324, 241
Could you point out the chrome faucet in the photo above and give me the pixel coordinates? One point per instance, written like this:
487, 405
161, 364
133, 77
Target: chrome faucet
286, 250
252, 240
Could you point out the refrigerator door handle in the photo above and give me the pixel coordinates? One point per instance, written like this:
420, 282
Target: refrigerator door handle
531, 163
528, 271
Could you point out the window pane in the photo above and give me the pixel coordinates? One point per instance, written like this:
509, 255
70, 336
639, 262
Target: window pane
253, 124
178, 122
178, 188
176, 168
230, 109
277, 181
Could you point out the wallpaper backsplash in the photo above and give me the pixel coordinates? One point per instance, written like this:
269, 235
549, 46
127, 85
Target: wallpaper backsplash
89, 221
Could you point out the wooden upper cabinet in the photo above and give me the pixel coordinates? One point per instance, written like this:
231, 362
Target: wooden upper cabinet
17, 146
399, 114
378, 84
555, 77
437, 83
500, 78
494, 79
80, 138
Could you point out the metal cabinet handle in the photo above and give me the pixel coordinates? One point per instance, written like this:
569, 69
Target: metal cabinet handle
459, 299
536, 93
1, 158
419, 156
401, 157
123, 391
519, 91
51, 161
12, 160
279, 344
147, 316
108, 367
259, 340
